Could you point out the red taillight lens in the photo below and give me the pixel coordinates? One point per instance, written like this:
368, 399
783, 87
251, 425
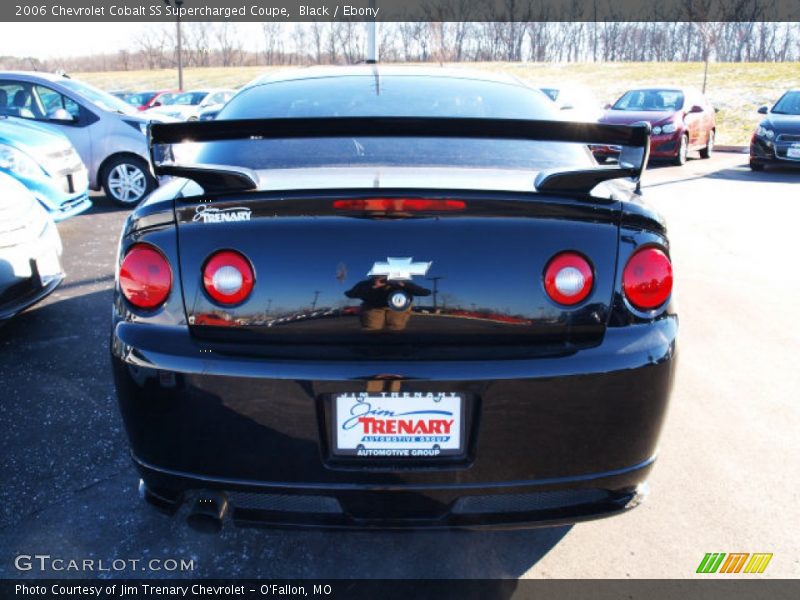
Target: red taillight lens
568, 278
145, 276
399, 204
228, 277
647, 278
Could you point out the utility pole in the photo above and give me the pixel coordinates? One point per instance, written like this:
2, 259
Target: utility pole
316, 297
435, 281
179, 49
372, 46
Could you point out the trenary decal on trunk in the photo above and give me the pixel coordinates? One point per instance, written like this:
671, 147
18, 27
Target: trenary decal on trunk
210, 214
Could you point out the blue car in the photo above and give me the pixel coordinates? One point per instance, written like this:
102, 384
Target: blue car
46, 162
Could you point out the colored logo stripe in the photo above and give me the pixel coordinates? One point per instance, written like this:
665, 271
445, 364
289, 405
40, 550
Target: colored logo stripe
734, 562
758, 562
710, 562
713, 562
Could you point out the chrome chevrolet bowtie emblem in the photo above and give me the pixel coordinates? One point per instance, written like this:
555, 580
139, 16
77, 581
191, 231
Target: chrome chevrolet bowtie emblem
399, 269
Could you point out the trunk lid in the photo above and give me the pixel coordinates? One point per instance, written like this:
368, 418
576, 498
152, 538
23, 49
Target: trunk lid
475, 273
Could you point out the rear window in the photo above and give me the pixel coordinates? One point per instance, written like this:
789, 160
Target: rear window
401, 96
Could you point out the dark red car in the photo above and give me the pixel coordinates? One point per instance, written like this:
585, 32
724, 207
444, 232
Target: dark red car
683, 120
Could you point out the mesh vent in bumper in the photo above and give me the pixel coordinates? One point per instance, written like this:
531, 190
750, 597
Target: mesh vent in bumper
285, 503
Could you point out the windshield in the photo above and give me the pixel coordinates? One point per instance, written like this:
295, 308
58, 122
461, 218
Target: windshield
140, 99
402, 96
650, 100
789, 104
98, 97
187, 98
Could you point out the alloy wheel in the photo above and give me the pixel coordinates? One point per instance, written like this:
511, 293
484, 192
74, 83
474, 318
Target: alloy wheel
127, 183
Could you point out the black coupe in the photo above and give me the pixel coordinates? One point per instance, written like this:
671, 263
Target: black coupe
776, 140
393, 297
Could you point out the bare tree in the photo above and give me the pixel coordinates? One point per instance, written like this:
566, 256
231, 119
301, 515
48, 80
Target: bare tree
299, 37
318, 40
124, 59
229, 43
152, 43
273, 45
350, 40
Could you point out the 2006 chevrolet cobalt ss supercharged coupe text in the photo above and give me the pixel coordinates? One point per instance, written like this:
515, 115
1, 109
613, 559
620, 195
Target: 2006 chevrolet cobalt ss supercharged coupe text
393, 297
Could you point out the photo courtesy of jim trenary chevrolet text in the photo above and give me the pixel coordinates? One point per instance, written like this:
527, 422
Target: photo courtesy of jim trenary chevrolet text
399, 299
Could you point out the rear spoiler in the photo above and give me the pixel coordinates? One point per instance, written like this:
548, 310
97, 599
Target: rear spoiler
634, 141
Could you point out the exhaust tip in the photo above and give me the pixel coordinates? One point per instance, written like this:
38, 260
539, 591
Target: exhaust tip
208, 512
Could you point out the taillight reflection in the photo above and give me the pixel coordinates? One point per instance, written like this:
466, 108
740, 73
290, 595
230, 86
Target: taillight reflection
647, 278
399, 204
228, 277
145, 276
568, 278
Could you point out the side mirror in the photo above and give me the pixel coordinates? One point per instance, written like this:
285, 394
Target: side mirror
62, 115
607, 106
763, 110
696, 109
154, 104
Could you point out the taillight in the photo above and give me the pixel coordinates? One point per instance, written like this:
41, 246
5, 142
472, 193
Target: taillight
145, 276
568, 278
228, 277
647, 278
399, 204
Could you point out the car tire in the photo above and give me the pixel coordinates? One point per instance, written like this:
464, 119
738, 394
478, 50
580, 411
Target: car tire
127, 180
683, 151
709, 149
756, 166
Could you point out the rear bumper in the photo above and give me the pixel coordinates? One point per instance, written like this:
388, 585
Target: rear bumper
553, 440
507, 504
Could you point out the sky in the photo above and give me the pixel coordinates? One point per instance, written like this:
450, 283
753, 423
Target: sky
50, 40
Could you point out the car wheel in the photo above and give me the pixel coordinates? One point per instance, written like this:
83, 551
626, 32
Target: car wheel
126, 180
683, 151
709, 149
756, 166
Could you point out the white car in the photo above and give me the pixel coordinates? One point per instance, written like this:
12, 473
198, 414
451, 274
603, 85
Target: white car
576, 102
187, 106
30, 249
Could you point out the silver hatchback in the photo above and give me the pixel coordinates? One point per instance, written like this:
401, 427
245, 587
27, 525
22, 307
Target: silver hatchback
108, 133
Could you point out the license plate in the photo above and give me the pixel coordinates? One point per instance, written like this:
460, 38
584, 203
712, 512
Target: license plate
398, 425
48, 266
793, 152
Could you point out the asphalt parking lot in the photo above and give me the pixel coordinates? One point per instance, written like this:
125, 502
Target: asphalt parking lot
727, 479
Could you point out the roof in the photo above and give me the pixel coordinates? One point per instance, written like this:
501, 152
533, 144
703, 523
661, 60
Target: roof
34, 75
664, 88
371, 70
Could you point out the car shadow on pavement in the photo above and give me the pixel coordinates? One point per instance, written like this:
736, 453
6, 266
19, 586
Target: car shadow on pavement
741, 173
